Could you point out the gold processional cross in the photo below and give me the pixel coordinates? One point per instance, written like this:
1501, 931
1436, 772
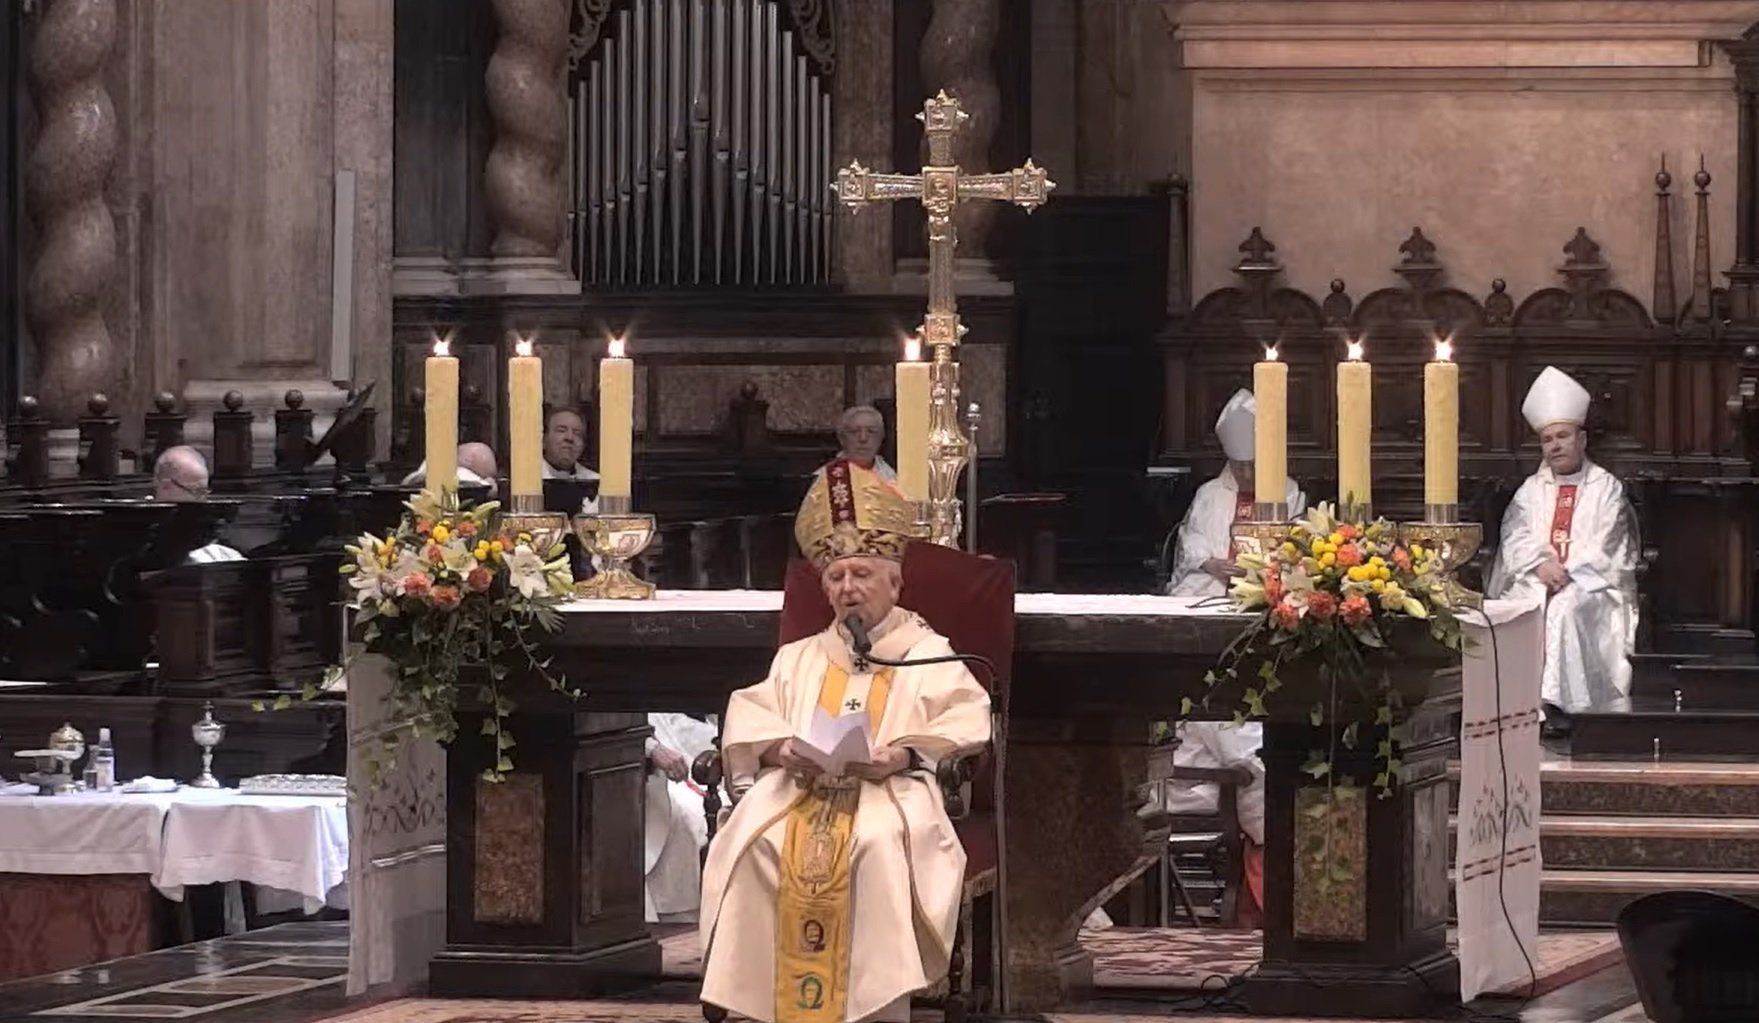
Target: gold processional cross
941, 186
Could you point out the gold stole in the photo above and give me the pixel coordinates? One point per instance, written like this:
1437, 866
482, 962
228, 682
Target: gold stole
813, 921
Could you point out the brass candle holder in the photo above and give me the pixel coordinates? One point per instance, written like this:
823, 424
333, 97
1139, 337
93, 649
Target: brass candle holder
526, 514
1266, 529
616, 537
1454, 542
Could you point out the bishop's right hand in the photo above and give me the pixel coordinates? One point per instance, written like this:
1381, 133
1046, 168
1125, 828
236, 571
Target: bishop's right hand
798, 767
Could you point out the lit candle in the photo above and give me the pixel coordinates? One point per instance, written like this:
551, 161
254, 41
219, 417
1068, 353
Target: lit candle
440, 384
1441, 428
912, 393
1355, 421
616, 422
1270, 391
525, 421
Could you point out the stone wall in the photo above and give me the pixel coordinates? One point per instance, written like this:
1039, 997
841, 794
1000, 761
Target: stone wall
1339, 125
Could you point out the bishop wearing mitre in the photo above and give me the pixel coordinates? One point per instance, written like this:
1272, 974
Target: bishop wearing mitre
834, 898
1569, 538
1203, 560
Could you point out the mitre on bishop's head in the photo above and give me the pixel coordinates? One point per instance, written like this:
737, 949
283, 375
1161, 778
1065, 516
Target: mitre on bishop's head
851, 512
1555, 398
1237, 426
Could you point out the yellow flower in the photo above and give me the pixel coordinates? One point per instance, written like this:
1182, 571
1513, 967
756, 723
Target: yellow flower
441, 533
1384, 572
1416, 550
1357, 573
1326, 559
1334, 539
1289, 550
1379, 585
1377, 561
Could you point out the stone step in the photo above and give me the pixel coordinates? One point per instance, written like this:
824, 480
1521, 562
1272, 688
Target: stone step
1685, 844
1689, 733
1594, 897
1643, 788
1705, 684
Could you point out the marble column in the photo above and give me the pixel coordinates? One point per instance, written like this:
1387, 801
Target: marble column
1743, 275
68, 168
523, 181
956, 56
862, 130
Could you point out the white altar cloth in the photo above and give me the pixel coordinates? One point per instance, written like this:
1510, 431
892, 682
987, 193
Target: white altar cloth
770, 601
1498, 861
191, 836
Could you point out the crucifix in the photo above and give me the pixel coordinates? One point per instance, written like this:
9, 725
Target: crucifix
941, 186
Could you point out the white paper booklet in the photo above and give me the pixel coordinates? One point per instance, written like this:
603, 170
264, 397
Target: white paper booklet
833, 743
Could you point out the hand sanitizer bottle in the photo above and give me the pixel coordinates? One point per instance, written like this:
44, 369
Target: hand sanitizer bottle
104, 761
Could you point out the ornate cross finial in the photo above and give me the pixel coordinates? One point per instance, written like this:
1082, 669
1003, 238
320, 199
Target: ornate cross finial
1257, 247
1418, 249
1582, 250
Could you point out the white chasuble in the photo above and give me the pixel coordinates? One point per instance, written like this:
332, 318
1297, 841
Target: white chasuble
837, 902
1207, 532
1583, 521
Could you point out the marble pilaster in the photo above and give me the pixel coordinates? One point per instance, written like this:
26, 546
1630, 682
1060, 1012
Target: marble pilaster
862, 130
956, 57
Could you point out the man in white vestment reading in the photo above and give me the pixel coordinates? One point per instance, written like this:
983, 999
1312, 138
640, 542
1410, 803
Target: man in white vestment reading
676, 826
1569, 538
1203, 560
1224, 744
832, 898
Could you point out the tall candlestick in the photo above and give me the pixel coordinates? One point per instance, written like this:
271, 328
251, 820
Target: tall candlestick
525, 421
1355, 421
1270, 391
616, 423
440, 384
1441, 428
912, 393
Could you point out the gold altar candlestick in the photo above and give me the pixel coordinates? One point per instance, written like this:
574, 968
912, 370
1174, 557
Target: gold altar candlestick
440, 398
941, 186
1355, 424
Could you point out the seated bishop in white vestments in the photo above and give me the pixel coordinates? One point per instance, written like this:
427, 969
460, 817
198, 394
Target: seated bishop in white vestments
835, 898
1203, 560
676, 826
1569, 538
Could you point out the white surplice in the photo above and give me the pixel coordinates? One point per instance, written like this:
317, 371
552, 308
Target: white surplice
676, 827
907, 864
1219, 744
1207, 532
1590, 624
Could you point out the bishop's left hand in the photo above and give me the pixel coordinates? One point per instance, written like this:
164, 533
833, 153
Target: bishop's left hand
886, 761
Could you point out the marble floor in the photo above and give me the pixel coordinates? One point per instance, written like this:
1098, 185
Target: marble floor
294, 973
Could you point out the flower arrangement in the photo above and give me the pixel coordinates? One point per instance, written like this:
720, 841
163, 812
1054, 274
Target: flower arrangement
1339, 596
445, 597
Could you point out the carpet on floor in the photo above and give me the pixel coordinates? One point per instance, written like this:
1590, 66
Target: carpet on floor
1189, 958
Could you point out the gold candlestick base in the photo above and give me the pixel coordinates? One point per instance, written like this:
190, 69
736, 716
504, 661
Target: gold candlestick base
526, 514
1454, 542
1262, 534
616, 540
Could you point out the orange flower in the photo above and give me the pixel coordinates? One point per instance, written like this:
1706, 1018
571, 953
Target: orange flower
1273, 587
417, 584
1285, 616
423, 526
1349, 555
1321, 605
1348, 531
479, 579
1402, 558
432, 553
465, 528
445, 597
1355, 610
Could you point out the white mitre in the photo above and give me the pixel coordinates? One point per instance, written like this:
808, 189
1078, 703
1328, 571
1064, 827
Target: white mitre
1555, 398
1237, 426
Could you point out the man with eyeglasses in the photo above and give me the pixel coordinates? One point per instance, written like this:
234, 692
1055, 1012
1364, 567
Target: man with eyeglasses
181, 476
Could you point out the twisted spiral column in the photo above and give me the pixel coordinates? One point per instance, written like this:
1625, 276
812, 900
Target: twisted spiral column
955, 56
527, 87
65, 178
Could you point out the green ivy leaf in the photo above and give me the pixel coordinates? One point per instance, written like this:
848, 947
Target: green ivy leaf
1316, 716
504, 741
1209, 677
1316, 768
258, 706
1384, 715
490, 726
1350, 736
504, 764
1186, 706
1267, 670
283, 701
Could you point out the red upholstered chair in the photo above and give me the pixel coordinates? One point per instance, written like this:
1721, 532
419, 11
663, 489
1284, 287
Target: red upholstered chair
969, 600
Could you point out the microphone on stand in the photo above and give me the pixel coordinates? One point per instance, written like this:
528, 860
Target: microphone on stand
863, 647
858, 631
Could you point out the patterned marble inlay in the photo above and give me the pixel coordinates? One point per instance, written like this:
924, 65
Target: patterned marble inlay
803, 399
1331, 851
223, 990
509, 861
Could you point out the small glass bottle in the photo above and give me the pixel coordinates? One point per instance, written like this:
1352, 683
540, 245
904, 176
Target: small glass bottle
104, 762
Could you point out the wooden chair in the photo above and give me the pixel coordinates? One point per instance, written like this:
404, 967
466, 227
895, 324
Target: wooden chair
970, 601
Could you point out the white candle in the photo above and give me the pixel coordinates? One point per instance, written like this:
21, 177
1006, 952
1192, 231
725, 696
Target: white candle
525, 421
1270, 391
616, 422
912, 392
1441, 428
1355, 424
440, 406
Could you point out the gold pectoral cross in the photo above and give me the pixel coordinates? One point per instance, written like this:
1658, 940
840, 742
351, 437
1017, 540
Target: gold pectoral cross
941, 186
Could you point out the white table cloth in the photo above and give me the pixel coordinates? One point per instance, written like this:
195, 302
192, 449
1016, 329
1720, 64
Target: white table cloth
191, 836
759, 601
1497, 862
